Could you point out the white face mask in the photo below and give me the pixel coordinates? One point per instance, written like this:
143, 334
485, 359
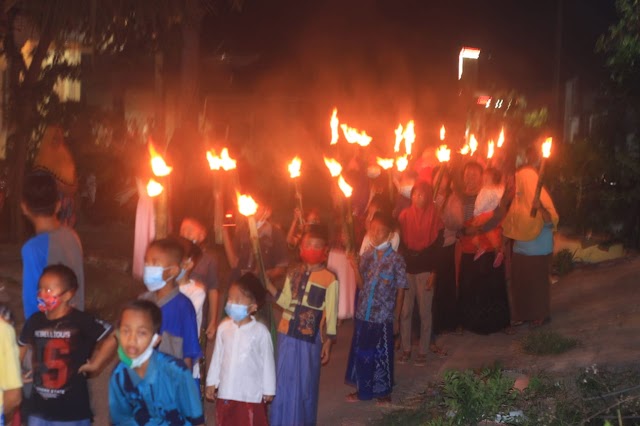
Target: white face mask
405, 191
140, 359
382, 246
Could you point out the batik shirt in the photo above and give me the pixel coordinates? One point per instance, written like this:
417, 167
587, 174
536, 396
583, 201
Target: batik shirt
308, 297
166, 395
383, 274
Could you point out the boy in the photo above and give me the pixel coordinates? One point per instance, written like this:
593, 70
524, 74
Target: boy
61, 340
10, 377
310, 300
179, 328
148, 387
52, 244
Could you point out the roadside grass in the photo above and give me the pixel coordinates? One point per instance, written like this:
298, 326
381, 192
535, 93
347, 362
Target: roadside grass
547, 342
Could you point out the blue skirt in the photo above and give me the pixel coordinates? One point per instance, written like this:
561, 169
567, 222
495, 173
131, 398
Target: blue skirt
370, 365
297, 382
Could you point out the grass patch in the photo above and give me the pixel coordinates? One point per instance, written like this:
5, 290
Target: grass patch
547, 342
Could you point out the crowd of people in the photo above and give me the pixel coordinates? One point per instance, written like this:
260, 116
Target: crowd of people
462, 246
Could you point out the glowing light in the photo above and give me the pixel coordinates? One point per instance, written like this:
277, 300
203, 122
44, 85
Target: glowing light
442, 132
465, 150
333, 123
385, 163
501, 138
224, 161
409, 137
490, 149
346, 189
466, 53
158, 165
443, 154
546, 147
399, 137
294, 167
334, 167
402, 163
353, 135
154, 188
473, 144
246, 205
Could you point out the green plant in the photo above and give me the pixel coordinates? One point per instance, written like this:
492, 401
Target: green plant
547, 342
562, 262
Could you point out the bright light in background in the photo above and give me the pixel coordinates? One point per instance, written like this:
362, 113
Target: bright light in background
466, 53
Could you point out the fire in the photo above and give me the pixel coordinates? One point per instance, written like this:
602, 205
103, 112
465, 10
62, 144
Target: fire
294, 167
346, 189
333, 123
356, 136
491, 149
442, 132
465, 150
443, 153
158, 165
246, 205
385, 163
334, 167
409, 137
546, 147
501, 138
154, 188
402, 162
399, 137
224, 161
473, 144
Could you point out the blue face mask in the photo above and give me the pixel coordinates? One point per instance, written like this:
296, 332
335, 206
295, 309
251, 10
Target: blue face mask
236, 312
153, 277
181, 275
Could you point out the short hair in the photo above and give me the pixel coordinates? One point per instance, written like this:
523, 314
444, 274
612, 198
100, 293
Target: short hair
383, 218
424, 187
146, 307
250, 286
40, 194
65, 274
472, 165
190, 250
170, 247
495, 174
318, 231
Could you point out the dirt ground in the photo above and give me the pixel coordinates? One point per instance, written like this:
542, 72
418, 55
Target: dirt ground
598, 305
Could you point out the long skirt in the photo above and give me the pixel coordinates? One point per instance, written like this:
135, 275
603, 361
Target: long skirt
529, 290
370, 365
297, 382
236, 413
483, 303
445, 299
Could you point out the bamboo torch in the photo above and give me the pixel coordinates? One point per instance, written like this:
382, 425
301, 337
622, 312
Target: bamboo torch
491, 149
443, 154
347, 190
294, 172
160, 170
219, 165
546, 152
387, 164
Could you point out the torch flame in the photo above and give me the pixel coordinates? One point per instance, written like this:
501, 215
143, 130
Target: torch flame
473, 144
333, 123
246, 205
501, 138
399, 136
490, 149
409, 137
465, 150
546, 147
334, 167
443, 154
346, 189
442, 132
154, 188
401, 163
385, 163
356, 136
158, 165
224, 161
294, 167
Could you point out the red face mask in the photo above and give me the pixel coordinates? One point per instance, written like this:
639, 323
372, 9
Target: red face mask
48, 303
313, 256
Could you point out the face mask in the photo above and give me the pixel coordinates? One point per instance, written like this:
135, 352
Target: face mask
153, 279
312, 256
49, 303
405, 191
373, 172
181, 274
140, 359
382, 246
236, 312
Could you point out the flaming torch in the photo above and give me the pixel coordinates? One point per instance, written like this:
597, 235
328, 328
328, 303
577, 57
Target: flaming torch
156, 190
409, 137
501, 138
333, 123
401, 163
442, 132
334, 167
546, 152
473, 144
387, 164
444, 155
355, 136
219, 164
347, 190
294, 172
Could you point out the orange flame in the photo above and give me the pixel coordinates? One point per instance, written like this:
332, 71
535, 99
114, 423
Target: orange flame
334, 167
333, 123
546, 147
356, 136
401, 163
443, 154
473, 144
346, 189
501, 138
154, 188
442, 132
490, 149
246, 205
294, 167
224, 161
409, 137
158, 165
399, 136
385, 163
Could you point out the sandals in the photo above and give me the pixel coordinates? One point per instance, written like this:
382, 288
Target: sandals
404, 358
438, 350
352, 397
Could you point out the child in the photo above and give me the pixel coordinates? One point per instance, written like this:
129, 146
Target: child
242, 373
309, 299
148, 387
487, 201
10, 377
205, 270
381, 276
179, 327
61, 340
52, 244
297, 228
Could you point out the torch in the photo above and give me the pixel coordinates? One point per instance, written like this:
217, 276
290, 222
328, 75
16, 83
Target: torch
387, 164
444, 155
294, 171
491, 149
473, 144
356, 136
347, 190
333, 123
219, 165
156, 190
442, 133
546, 152
501, 138
401, 163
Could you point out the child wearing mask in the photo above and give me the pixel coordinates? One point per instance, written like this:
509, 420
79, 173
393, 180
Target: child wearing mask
241, 377
179, 329
309, 299
148, 387
66, 345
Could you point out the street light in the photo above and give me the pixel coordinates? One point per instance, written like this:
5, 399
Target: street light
466, 53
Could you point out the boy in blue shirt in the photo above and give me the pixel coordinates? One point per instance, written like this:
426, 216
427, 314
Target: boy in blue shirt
179, 329
148, 387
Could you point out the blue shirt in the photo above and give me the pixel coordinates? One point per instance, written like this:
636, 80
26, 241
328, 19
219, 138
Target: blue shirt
166, 395
539, 246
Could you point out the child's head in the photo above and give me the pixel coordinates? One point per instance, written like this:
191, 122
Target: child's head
246, 295
40, 196
380, 230
193, 230
491, 177
162, 263
420, 194
56, 287
313, 246
138, 330
313, 217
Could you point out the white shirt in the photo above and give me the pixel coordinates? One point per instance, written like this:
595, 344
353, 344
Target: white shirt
488, 199
242, 366
195, 292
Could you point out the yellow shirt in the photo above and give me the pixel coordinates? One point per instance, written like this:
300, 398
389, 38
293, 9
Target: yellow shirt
10, 377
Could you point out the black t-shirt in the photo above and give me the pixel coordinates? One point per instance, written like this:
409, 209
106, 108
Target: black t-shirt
59, 348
